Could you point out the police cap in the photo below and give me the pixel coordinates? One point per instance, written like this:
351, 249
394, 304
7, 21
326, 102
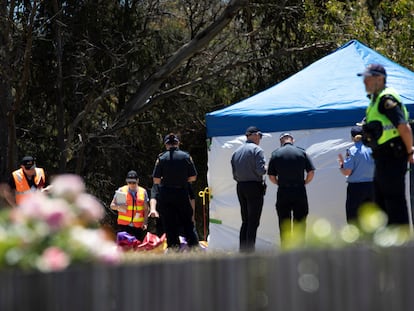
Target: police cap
171, 139
373, 70
132, 176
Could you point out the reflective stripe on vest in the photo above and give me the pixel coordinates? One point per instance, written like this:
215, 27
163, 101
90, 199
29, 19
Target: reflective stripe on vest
389, 131
135, 211
22, 185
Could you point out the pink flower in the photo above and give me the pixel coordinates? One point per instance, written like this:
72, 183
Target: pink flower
67, 186
32, 207
90, 208
53, 259
109, 254
57, 213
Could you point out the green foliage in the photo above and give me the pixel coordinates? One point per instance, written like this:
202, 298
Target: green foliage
89, 58
371, 229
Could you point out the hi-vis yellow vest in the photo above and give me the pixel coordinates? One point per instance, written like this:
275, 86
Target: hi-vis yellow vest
134, 214
389, 131
22, 186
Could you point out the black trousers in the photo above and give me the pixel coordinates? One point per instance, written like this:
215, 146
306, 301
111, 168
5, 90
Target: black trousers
176, 213
389, 187
250, 195
155, 225
292, 204
357, 194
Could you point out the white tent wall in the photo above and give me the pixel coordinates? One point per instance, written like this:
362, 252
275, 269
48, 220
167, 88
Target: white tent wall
326, 193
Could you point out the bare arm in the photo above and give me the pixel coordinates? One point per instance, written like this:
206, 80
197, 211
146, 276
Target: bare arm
309, 177
406, 135
7, 194
344, 171
273, 179
153, 208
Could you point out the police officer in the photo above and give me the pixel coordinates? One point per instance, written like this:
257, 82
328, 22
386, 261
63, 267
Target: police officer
358, 167
248, 167
388, 133
287, 167
173, 170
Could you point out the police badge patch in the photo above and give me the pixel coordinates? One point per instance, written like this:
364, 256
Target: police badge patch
389, 104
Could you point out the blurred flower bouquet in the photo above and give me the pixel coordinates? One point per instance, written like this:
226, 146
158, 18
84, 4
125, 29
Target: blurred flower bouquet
53, 229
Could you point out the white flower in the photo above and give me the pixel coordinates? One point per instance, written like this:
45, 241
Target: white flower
94, 240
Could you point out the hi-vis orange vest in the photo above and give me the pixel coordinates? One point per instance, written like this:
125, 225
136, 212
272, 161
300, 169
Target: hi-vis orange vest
22, 186
135, 210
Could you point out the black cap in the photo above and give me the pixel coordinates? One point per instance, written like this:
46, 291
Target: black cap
171, 139
132, 176
284, 135
356, 130
27, 160
373, 70
252, 130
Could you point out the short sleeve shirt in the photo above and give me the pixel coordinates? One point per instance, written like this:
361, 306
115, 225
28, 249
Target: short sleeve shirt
361, 162
174, 167
289, 164
392, 111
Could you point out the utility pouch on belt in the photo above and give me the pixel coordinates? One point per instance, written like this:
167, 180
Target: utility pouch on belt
371, 132
398, 149
393, 148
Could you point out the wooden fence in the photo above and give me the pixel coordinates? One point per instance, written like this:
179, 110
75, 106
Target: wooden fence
359, 278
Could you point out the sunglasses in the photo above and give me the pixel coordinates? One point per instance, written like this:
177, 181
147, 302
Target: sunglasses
132, 182
29, 167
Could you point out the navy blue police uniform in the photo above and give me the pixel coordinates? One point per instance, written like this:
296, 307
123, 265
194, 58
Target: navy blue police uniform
174, 167
391, 167
155, 225
289, 163
386, 118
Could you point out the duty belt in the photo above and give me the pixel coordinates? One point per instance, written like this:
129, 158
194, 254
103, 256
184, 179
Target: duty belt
174, 186
291, 185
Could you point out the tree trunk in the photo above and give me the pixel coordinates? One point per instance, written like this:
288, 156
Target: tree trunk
60, 109
142, 97
7, 121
